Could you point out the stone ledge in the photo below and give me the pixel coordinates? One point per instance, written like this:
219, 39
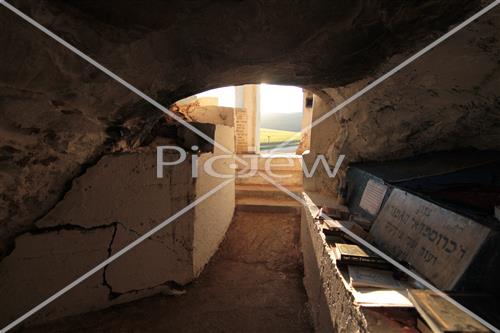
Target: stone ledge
330, 297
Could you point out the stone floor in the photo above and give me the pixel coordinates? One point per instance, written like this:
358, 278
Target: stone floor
253, 284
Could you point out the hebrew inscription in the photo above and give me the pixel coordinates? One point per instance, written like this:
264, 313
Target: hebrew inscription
438, 243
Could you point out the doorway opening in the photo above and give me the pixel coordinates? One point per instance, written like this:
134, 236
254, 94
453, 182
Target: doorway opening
281, 111
268, 118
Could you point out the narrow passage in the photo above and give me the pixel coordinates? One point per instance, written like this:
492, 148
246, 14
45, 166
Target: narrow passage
252, 284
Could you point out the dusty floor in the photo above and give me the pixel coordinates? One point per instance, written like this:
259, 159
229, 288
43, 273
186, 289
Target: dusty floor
253, 284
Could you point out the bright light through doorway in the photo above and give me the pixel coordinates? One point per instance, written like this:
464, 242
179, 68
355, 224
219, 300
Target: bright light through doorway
280, 113
273, 98
226, 95
280, 99
280, 117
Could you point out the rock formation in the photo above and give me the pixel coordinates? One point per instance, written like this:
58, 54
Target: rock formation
64, 123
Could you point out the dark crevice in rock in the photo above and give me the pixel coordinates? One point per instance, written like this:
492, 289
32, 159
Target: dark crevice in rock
112, 294
172, 285
61, 227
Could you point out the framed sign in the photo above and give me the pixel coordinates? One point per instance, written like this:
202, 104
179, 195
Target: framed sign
372, 197
438, 243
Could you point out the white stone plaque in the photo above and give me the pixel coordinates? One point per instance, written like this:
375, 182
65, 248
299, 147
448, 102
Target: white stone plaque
438, 243
372, 197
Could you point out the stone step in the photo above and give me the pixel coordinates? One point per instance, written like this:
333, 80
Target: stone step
269, 209
267, 198
259, 204
274, 162
265, 191
286, 177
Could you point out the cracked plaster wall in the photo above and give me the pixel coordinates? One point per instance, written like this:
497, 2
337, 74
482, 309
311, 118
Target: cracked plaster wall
109, 206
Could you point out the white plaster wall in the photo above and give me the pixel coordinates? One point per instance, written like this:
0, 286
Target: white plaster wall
112, 204
108, 207
213, 216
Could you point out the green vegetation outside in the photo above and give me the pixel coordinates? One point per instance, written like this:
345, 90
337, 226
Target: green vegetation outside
271, 136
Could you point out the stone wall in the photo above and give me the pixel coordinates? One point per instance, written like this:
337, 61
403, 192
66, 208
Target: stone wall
307, 114
449, 99
330, 298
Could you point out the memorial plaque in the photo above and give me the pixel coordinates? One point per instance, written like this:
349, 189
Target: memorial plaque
440, 244
372, 197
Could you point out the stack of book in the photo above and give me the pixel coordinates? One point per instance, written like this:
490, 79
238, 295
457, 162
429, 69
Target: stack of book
374, 278
375, 286
378, 288
343, 230
370, 276
353, 254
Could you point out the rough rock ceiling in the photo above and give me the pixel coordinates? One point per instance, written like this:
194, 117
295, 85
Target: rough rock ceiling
58, 114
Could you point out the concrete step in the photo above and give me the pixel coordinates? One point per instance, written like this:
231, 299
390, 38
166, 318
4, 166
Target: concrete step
286, 177
267, 198
267, 202
274, 162
258, 204
265, 191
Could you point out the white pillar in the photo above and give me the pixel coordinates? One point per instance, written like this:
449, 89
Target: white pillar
248, 98
257, 119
